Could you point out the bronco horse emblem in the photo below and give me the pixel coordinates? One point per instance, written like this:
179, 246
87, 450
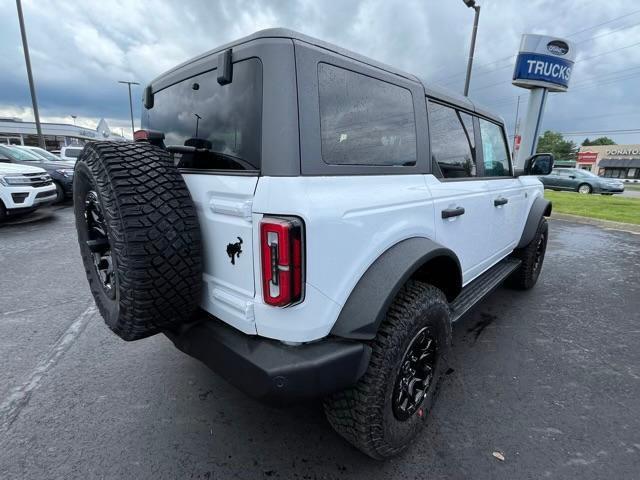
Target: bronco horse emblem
234, 249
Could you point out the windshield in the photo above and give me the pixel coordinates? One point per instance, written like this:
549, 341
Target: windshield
223, 122
45, 154
24, 155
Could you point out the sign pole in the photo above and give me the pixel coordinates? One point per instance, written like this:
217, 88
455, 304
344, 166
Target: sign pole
532, 123
543, 65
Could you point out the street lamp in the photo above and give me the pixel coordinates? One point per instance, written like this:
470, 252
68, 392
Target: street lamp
32, 87
471, 4
74, 118
130, 102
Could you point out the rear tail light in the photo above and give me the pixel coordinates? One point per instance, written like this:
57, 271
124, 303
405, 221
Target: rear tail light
152, 136
282, 250
140, 135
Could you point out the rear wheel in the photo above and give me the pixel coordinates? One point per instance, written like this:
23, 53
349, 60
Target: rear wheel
384, 412
584, 188
139, 237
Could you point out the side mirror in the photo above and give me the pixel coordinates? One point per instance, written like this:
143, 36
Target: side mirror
538, 164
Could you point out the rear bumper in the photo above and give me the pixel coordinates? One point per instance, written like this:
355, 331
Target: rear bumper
267, 369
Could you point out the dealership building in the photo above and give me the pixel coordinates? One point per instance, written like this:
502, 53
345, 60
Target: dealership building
612, 161
14, 131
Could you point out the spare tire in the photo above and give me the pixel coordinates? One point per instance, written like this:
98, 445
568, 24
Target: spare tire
139, 237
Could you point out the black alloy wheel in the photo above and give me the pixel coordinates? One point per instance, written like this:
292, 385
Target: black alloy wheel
415, 375
541, 247
98, 243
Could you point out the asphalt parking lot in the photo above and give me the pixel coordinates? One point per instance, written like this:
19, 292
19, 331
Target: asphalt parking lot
550, 378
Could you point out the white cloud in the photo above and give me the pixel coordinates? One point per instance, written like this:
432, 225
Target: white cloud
80, 49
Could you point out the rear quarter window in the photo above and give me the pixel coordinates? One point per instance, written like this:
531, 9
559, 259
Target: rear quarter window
363, 120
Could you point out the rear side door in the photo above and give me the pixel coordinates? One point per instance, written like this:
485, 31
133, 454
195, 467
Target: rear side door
506, 201
459, 193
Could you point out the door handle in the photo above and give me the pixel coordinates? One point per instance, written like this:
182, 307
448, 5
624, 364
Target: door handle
500, 201
452, 212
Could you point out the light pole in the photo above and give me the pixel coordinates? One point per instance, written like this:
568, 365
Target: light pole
74, 118
130, 102
198, 118
471, 4
32, 88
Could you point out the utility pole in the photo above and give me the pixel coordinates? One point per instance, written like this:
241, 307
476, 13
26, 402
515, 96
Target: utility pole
32, 88
471, 4
130, 102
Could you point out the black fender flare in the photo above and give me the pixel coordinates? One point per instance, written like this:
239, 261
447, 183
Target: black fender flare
370, 299
541, 207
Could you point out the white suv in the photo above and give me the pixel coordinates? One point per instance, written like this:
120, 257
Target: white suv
309, 222
70, 153
23, 188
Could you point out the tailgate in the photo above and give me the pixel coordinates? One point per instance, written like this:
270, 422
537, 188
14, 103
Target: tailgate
224, 211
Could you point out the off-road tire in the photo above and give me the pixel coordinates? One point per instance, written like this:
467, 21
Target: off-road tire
3, 211
364, 414
153, 232
526, 276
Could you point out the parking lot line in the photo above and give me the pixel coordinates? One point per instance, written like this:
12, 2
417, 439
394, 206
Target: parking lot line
19, 396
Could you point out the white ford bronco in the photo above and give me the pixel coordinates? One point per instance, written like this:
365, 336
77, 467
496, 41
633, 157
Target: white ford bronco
309, 222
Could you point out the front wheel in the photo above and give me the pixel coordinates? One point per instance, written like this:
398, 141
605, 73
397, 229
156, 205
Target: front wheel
532, 257
384, 412
59, 193
585, 189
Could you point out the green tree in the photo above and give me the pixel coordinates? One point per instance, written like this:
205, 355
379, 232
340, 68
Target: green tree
554, 142
598, 141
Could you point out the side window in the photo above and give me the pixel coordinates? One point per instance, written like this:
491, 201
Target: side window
452, 141
364, 121
494, 150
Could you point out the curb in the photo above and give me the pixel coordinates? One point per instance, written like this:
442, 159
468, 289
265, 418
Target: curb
607, 224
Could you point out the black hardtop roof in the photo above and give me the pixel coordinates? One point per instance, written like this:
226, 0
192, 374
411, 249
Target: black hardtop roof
435, 92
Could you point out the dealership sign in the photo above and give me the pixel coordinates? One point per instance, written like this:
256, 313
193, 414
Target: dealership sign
544, 62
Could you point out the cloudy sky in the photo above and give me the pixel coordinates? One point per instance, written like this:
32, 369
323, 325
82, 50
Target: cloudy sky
79, 49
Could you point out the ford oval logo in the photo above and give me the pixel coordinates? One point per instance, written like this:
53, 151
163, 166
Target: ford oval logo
558, 47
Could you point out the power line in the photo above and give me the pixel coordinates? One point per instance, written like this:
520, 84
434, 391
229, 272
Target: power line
577, 61
604, 23
437, 80
581, 60
603, 77
608, 33
600, 132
